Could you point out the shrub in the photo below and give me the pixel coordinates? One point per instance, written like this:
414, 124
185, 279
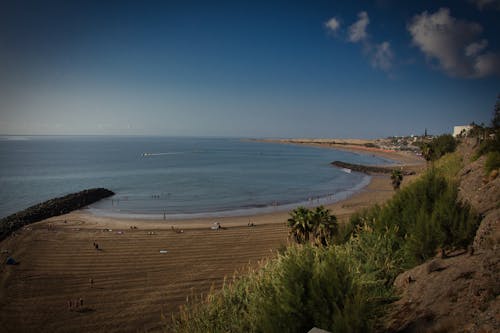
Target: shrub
489, 145
492, 161
424, 216
306, 286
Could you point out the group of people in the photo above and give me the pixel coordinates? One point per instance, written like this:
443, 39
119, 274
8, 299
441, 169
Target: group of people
75, 304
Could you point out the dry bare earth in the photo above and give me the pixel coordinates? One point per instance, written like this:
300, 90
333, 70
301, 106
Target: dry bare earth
134, 284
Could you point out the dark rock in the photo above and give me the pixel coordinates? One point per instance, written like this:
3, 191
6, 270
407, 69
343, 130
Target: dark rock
369, 169
49, 208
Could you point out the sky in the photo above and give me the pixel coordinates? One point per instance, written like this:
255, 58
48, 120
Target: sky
361, 69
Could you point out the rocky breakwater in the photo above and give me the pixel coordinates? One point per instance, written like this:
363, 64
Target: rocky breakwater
52, 207
371, 169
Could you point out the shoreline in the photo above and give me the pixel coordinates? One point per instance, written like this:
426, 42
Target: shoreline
142, 271
377, 191
325, 200
353, 146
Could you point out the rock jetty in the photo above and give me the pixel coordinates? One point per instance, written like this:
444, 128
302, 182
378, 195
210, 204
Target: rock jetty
370, 169
52, 207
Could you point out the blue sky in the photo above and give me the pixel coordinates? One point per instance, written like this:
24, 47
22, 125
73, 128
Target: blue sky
253, 69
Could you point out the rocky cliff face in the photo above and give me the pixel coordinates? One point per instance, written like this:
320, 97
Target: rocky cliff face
459, 293
483, 193
52, 207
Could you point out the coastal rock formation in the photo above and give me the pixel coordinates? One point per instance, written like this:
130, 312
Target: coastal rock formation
49, 208
370, 169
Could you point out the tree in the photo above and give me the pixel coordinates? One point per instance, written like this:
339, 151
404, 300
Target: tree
325, 226
396, 179
300, 224
319, 224
495, 121
427, 152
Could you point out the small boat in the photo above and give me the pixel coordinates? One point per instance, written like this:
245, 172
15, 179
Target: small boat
346, 170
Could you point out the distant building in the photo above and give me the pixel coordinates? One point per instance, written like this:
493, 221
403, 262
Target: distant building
461, 130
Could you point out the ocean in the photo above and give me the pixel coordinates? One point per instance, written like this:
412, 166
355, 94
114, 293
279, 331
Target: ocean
165, 177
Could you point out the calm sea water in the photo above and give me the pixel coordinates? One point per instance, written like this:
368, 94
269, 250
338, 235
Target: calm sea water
178, 177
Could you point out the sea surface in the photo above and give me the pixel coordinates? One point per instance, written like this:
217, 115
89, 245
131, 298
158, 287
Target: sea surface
164, 177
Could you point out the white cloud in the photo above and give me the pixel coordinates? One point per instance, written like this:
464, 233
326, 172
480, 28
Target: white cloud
487, 64
332, 24
383, 56
454, 43
357, 31
475, 48
482, 4
380, 55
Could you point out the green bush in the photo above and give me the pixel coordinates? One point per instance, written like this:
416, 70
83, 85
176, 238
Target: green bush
424, 216
305, 287
492, 161
489, 145
438, 147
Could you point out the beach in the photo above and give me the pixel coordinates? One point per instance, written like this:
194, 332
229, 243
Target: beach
141, 270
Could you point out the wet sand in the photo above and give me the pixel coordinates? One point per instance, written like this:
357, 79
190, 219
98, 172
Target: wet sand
133, 284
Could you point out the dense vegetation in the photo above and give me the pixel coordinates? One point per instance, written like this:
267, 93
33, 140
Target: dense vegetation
438, 147
341, 287
489, 140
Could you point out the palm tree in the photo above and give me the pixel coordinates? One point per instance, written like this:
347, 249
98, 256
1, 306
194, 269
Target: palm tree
300, 224
427, 152
304, 222
325, 226
396, 178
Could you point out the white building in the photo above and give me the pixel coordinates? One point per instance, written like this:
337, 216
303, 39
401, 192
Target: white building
461, 130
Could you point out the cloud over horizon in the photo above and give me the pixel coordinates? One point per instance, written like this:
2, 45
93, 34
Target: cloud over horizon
357, 31
454, 43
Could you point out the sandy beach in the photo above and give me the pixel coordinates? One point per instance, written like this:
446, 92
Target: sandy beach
142, 270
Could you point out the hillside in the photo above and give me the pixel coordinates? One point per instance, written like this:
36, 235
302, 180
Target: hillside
458, 293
